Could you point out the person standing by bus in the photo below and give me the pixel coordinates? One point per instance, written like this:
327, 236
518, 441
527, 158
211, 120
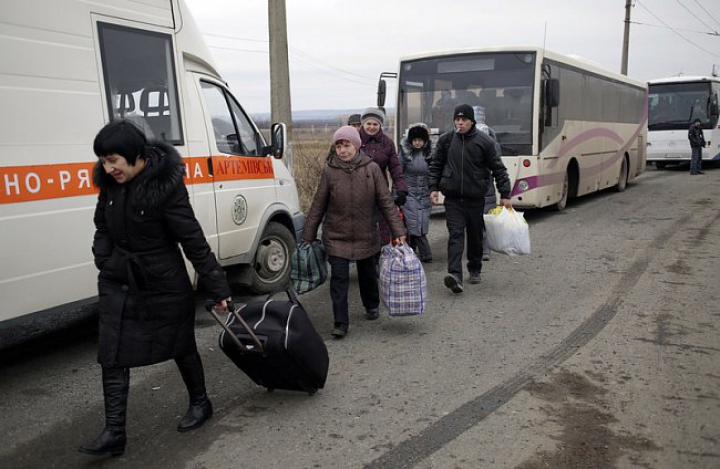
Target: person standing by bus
146, 302
381, 149
697, 142
462, 160
415, 151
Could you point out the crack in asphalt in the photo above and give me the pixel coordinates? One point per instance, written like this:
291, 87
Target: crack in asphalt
412, 451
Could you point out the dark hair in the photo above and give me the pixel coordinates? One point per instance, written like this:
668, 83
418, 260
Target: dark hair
121, 137
697, 119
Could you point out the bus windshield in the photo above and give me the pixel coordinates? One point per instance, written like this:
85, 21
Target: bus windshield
499, 86
673, 106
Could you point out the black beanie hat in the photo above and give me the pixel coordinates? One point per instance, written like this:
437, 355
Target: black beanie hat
418, 131
464, 110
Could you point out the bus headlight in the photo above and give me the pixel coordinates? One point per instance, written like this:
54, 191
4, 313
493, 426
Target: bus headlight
523, 185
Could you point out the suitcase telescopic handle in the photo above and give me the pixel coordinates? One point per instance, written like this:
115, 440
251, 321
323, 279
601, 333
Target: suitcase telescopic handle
210, 306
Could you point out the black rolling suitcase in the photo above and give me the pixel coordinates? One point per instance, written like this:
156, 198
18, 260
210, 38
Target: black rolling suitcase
275, 344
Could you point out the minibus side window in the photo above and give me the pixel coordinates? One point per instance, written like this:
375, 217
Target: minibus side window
234, 134
140, 81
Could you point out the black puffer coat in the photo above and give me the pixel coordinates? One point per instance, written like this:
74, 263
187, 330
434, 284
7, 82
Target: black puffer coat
147, 309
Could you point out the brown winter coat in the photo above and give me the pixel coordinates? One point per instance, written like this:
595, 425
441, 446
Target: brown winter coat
147, 307
349, 197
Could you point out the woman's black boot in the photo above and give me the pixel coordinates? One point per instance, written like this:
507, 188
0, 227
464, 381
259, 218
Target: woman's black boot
116, 382
193, 375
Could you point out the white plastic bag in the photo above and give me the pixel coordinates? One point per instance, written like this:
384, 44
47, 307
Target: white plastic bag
507, 232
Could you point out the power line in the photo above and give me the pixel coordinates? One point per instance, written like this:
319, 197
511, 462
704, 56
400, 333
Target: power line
295, 58
707, 12
235, 38
309, 59
674, 31
695, 16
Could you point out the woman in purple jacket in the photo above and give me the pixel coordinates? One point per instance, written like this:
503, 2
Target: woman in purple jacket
381, 149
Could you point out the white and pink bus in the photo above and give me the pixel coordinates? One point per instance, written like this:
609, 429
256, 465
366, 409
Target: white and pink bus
567, 127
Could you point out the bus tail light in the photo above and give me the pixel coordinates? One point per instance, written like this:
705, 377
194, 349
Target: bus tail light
526, 163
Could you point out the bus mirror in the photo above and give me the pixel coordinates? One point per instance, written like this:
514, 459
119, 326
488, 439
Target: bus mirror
278, 135
552, 92
381, 91
382, 88
714, 108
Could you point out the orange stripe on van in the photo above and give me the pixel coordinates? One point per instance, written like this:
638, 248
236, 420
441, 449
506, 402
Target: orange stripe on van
54, 181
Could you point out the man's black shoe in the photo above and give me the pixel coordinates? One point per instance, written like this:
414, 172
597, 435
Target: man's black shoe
372, 314
453, 283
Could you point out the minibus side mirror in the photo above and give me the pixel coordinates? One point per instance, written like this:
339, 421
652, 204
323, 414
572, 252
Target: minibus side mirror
278, 137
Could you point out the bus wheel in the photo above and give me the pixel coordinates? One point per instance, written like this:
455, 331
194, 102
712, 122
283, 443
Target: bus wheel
562, 203
272, 260
623, 177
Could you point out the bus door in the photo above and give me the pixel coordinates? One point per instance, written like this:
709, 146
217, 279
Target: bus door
243, 181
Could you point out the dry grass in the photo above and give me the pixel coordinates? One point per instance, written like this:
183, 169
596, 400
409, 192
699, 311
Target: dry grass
310, 149
310, 146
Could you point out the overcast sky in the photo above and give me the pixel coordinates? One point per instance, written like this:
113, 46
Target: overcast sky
338, 48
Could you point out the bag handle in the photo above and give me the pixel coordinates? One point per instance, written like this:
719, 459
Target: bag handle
210, 306
292, 295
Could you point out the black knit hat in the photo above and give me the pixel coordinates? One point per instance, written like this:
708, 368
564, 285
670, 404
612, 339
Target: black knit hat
418, 131
464, 110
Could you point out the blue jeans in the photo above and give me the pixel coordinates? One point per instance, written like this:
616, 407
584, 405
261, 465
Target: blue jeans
696, 160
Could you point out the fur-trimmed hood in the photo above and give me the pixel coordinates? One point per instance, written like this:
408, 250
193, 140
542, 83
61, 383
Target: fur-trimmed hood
406, 142
163, 172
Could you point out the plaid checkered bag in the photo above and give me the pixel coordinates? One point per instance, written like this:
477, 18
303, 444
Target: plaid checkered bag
403, 288
308, 268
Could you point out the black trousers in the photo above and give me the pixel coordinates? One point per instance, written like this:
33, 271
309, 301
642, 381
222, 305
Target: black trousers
464, 216
340, 285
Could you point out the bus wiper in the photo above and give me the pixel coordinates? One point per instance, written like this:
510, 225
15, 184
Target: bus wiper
508, 150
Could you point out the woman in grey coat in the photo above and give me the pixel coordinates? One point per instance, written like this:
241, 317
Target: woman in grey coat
415, 151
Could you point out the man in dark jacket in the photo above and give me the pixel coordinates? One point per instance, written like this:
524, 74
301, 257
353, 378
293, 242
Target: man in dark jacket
460, 168
697, 142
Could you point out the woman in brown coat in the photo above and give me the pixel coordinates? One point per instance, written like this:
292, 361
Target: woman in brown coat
351, 191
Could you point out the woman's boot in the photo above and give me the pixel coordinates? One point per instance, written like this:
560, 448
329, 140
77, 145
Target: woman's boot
193, 375
116, 382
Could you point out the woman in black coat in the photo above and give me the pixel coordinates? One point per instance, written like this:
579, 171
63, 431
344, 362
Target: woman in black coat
147, 309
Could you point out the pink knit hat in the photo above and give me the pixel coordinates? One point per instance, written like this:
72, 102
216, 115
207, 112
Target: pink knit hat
349, 133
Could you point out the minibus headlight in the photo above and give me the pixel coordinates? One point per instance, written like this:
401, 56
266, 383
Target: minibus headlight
523, 185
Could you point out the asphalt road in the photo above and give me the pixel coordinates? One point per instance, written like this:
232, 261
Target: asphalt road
598, 350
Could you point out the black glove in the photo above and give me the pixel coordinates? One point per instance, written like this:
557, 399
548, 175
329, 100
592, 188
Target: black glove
400, 198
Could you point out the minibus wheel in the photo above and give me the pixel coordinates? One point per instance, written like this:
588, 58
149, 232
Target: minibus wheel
271, 269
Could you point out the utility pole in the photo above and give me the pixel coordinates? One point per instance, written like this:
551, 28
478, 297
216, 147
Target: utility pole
280, 107
626, 38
